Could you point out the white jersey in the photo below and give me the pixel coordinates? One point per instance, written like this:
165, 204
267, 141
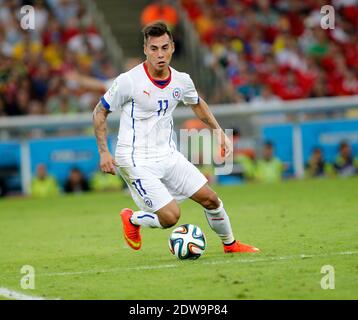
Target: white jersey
146, 122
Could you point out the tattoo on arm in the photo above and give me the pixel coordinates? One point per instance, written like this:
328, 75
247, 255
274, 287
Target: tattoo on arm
205, 120
203, 112
100, 114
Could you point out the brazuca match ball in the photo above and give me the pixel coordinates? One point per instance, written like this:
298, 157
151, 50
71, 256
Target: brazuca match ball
187, 242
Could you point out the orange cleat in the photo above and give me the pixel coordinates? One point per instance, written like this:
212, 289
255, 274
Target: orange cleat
131, 232
237, 246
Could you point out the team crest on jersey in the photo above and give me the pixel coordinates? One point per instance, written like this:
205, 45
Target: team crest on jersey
148, 202
177, 93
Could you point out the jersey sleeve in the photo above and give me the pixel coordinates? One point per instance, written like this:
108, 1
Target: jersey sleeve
119, 93
190, 95
108, 83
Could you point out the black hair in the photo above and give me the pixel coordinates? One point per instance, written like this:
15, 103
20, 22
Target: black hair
156, 29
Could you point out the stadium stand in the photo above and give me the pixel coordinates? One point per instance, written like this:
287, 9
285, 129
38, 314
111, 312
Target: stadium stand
278, 47
33, 63
270, 50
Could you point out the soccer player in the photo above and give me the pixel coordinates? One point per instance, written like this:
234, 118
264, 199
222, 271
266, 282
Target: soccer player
146, 156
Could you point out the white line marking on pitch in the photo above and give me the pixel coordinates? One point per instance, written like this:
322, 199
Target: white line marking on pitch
10, 294
214, 262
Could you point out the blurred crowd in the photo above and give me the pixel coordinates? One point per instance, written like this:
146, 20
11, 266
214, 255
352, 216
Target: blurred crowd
276, 49
34, 64
269, 168
44, 184
263, 166
269, 49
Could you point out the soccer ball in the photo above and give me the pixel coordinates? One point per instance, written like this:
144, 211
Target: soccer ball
187, 242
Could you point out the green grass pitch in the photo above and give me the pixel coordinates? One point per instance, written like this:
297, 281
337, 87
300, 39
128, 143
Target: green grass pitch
76, 246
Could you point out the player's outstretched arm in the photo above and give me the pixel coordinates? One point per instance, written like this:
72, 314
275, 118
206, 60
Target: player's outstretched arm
100, 114
90, 83
202, 111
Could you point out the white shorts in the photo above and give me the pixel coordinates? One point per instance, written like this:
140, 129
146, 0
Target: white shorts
155, 184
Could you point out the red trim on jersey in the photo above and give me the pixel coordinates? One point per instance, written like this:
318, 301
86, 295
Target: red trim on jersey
153, 80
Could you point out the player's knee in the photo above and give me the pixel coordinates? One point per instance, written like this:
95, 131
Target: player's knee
170, 218
211, 201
